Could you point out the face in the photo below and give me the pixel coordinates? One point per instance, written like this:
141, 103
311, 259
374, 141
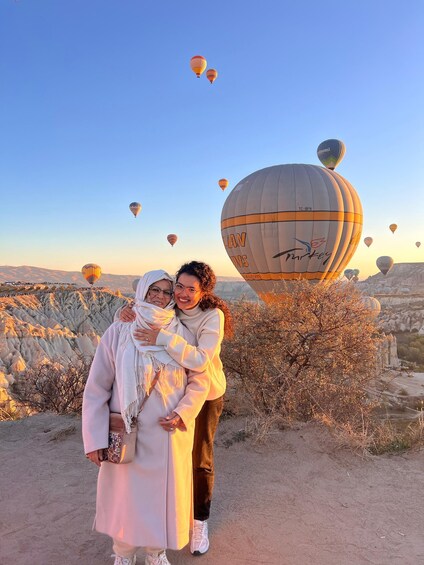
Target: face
159, 293
187, 293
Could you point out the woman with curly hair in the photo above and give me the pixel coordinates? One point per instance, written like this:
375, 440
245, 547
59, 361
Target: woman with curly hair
208, 317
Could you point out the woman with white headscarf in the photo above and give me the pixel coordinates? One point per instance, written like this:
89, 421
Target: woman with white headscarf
148, 502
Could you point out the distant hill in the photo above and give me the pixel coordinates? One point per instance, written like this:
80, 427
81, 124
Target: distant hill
114, 282
403, 278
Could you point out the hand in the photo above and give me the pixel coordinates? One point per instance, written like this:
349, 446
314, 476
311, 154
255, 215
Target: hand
172, 422
127, 314
95, 457
147, 337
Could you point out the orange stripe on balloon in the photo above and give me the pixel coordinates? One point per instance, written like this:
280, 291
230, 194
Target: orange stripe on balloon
318, 275
271, 217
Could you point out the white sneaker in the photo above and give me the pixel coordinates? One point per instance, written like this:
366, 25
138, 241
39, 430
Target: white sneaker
157, 559
199, 543
119, 560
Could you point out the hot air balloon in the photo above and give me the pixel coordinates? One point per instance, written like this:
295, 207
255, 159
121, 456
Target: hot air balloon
418, 243
331, 152
198, 64
211, 75
223, 183
91, 272
393, 228
368, 241
384, 263
372, 305
135, 208
172, 238
290, 222
356, 272
134, 284
348, 274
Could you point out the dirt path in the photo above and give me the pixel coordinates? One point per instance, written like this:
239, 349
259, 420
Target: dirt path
296, 501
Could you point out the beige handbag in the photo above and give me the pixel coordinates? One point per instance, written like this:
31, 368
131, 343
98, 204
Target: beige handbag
121, 448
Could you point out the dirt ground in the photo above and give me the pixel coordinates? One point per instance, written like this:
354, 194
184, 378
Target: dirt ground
298, 500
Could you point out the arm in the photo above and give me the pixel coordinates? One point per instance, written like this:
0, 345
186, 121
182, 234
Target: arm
191, 403
190, 356
97, 393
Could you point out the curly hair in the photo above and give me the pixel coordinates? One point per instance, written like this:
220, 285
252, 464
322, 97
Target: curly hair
207, 281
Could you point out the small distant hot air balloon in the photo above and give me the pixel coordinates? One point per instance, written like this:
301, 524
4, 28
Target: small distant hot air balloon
393, 228
372, 305
384, 263
348, 274
135, 208
368, 241
172, 238
198, 64
330, 152
418, 243
211, 75
223, 183
356, 272
91, 272
134, 284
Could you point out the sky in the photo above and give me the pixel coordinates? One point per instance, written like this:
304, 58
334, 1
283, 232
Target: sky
99, 108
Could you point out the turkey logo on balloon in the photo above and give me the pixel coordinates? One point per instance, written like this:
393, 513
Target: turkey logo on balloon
291, 222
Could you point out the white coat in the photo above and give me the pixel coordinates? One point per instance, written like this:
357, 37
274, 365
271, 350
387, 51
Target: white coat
147, 502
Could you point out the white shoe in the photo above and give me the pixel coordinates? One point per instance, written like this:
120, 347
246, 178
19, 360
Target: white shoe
199, 543
119, 560
157, 559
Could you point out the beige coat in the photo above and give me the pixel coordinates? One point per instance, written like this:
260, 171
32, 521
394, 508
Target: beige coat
147, 502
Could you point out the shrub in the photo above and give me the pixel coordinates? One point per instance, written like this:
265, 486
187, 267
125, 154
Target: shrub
52, 387
309, 355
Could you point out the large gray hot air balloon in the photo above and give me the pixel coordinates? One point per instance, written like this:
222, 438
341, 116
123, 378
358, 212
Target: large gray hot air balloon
330, 152
384, 263
291, 222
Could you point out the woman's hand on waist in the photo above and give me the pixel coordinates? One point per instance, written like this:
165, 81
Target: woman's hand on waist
172, 422
95, 457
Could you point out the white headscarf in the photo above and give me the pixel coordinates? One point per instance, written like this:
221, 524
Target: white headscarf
141, 362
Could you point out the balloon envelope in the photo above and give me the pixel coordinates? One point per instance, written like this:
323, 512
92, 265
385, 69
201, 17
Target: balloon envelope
223, 183
330, 152
393, 228
368, 241
418, 243
172, 238
372, 305
198, 64
290, 222
91, 272
135, 208
348, 274
211, 75
384, 263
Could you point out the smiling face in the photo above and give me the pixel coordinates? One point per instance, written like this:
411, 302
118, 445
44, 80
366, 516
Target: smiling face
159, 293
187, 292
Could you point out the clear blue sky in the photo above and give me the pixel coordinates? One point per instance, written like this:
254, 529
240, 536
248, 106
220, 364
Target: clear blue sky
99, 108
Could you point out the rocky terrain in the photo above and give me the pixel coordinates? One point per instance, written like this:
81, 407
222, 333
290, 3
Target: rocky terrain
43, 325
229, 288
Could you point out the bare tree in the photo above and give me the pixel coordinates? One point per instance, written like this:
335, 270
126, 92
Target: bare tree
52, 387
310, 354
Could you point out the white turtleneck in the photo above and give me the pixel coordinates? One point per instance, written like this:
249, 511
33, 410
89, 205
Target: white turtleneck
208, 329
